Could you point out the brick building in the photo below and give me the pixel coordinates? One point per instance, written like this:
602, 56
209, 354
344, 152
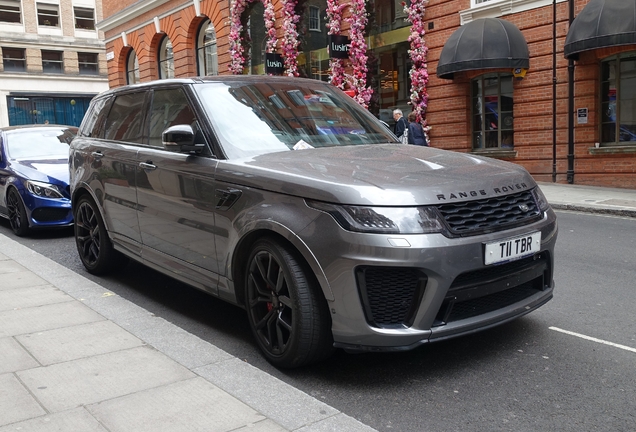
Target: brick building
508, 100
53, 60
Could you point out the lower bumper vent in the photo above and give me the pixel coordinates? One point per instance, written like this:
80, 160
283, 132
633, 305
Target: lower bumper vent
390, 295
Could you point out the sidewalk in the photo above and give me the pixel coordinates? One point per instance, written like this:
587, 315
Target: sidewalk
620, 202
74, 357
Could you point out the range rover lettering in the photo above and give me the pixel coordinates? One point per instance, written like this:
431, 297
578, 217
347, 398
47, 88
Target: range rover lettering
285, 197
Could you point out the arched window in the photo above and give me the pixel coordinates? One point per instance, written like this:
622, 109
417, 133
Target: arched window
492, 111
132, 68
207, 59
166, 59
618, 100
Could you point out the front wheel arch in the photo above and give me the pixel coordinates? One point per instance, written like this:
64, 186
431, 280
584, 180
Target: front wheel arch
286, 309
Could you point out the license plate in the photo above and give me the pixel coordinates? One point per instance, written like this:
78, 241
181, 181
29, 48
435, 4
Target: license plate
512, 248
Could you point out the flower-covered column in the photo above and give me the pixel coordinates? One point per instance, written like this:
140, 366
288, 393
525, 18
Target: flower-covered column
290, 37
419, 68
236, 44
358, 52
237, 49
336, 65
270, 26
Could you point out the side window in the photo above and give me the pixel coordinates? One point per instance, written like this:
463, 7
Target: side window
92, 125
169, 107
126, 117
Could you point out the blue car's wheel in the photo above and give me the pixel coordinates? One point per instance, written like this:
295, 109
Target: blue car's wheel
94, 247
17, 214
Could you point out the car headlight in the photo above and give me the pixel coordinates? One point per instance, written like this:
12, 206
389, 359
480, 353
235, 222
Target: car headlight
541, 200
383, 220
43, 189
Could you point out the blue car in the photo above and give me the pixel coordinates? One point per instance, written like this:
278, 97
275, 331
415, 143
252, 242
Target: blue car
34, 191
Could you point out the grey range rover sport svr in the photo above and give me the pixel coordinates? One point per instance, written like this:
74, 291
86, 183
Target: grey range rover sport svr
285, 197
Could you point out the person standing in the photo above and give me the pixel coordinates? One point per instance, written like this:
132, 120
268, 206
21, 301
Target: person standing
400, 123
416, 131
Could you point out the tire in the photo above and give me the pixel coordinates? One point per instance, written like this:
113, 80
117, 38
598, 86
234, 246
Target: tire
93, 244
17, 214
287, 312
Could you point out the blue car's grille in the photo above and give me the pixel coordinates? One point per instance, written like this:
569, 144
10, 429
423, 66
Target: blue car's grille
50, 214
490, 214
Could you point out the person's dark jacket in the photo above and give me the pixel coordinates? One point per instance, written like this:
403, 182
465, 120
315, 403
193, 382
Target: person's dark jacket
416, 134
400, 127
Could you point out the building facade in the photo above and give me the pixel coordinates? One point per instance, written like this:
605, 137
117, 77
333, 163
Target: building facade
53, 60
566, 119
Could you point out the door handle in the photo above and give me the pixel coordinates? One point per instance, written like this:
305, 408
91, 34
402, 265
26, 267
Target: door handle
97, 155
147, 165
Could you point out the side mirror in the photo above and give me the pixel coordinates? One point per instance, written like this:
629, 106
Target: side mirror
180, 139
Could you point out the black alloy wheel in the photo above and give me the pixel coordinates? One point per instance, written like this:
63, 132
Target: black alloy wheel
94, 247
17, 214
287, 311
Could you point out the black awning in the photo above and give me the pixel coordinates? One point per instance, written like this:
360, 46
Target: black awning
486, 43
602, 24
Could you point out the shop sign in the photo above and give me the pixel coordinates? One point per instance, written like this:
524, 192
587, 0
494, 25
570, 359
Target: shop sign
339, 46
274, 64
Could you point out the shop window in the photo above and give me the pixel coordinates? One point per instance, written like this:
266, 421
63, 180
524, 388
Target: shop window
132, 68
10, 11
48, 15
492, 112
87, 63
166, 59
52, 62
206, 50
14, 59
84, 18
618, 100
314, 18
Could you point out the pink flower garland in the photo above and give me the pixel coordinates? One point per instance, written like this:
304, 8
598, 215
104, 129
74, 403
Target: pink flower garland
358, 52
270, 26
290, 37
334, 15
236, 27
418, 53
237, 7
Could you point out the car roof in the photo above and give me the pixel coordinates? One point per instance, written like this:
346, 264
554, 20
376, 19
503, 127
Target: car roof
215, 78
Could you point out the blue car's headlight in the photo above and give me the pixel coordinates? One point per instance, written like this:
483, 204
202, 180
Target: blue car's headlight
43, 189
383, 220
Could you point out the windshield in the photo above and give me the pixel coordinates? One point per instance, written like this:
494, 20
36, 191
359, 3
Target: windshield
39, 143
257, 118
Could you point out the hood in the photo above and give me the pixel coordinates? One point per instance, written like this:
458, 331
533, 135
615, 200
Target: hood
391, 174
53, 171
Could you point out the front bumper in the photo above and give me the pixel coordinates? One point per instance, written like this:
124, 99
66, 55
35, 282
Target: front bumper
394, 293
48, 212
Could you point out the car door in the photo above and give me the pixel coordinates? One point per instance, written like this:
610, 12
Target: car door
113, 156
175, 196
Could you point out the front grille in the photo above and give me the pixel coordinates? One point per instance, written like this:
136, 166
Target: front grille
489, 303
495, 287
490, 214
390, 295
50, 214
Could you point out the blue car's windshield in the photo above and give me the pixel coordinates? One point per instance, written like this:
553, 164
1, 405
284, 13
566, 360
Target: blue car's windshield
39, 144
252, 119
